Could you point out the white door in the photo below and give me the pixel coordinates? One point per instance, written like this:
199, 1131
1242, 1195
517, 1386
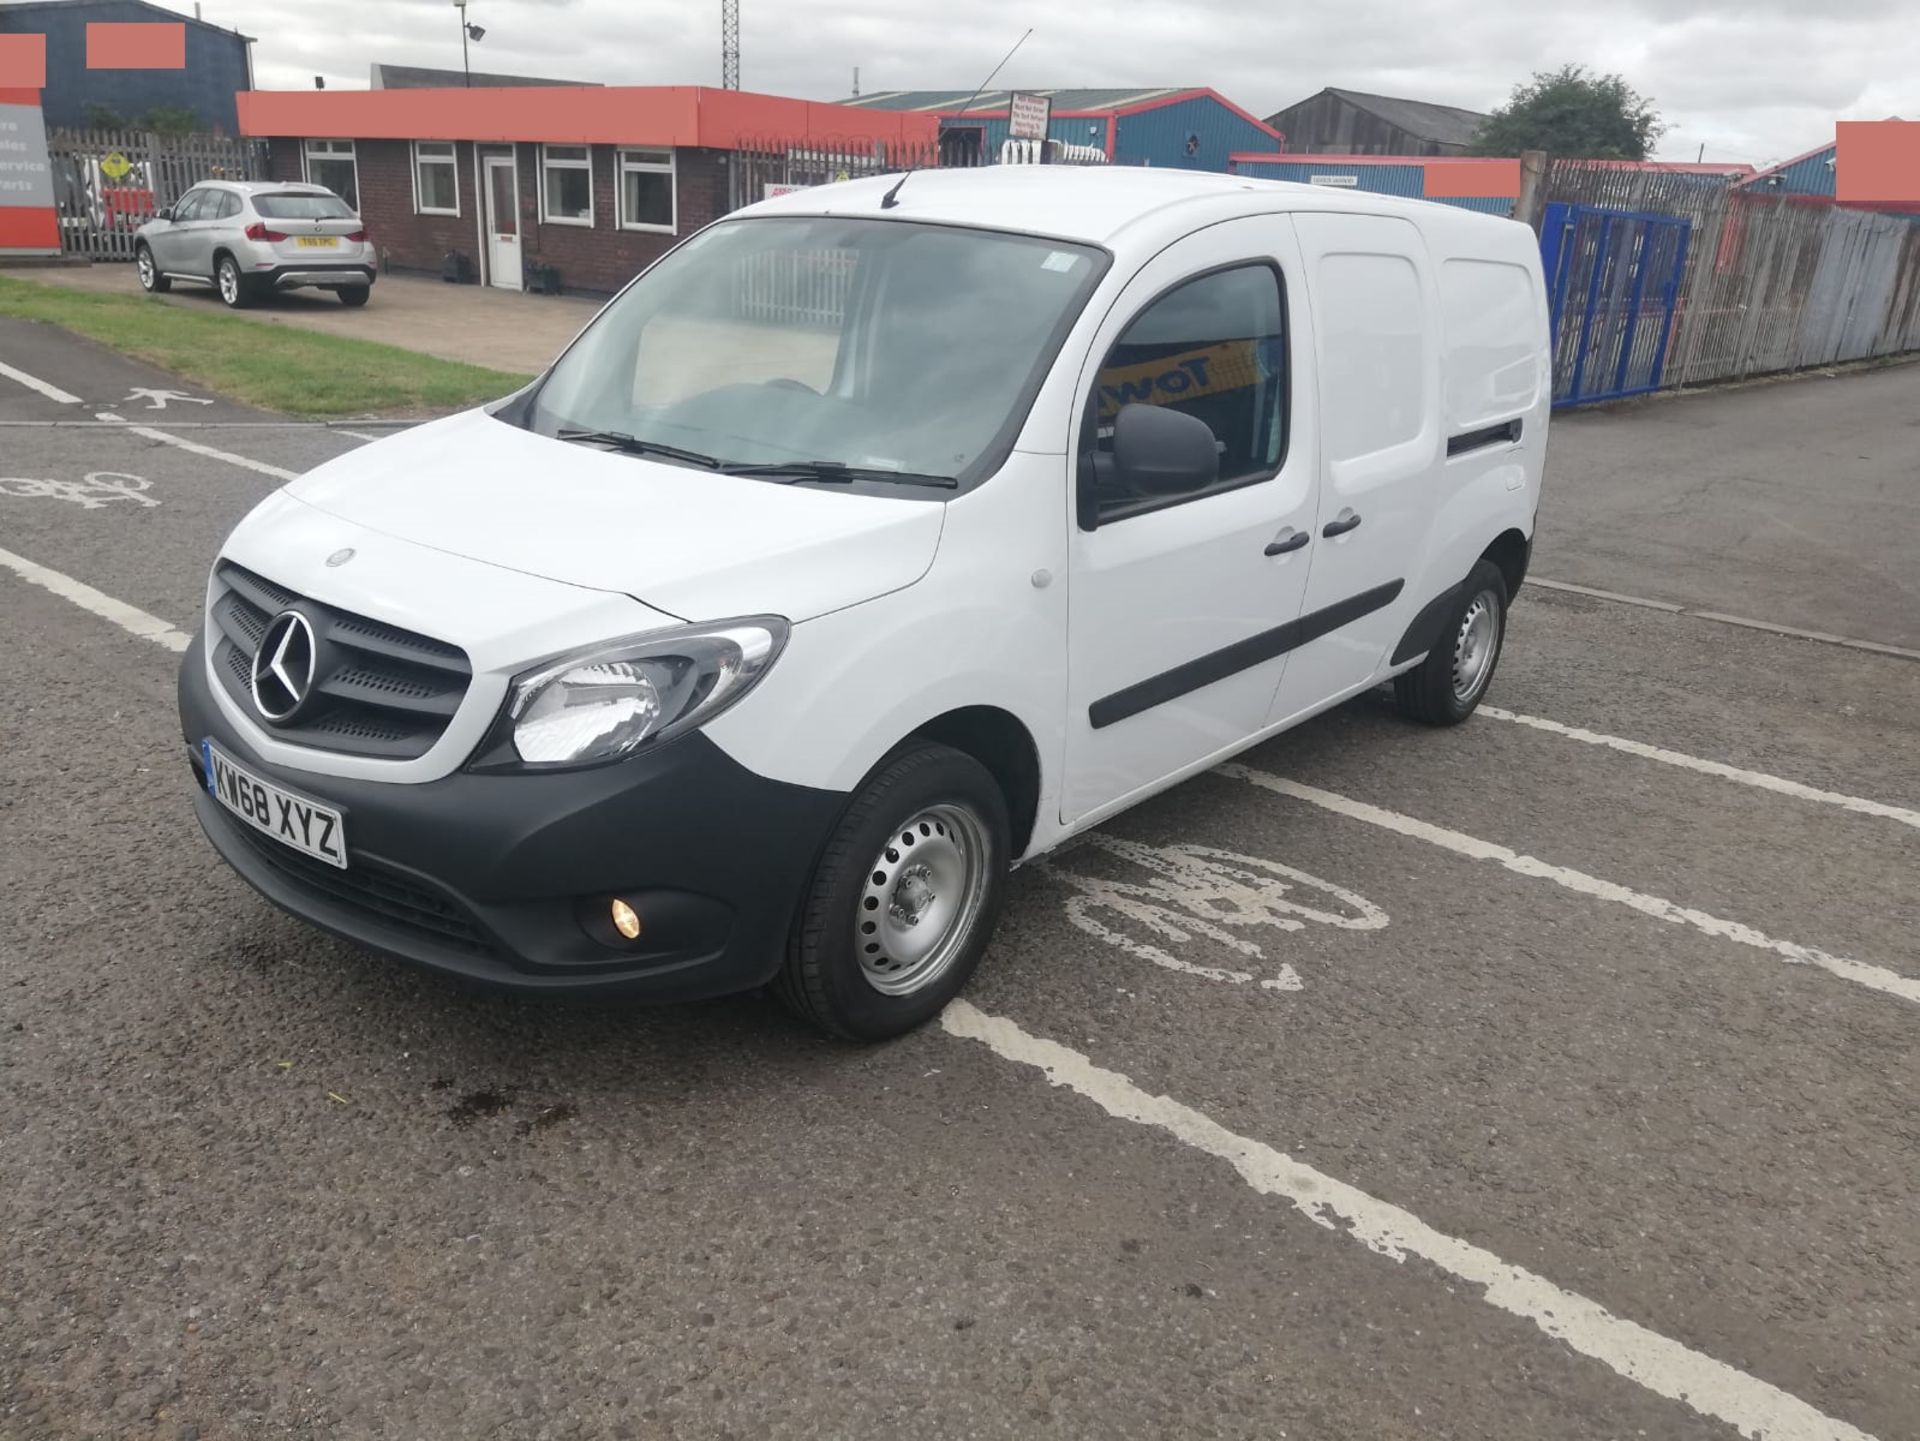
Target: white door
1377, 355
1180, 607
503, 222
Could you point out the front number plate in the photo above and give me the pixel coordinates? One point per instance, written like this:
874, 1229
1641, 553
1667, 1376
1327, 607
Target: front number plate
308, 827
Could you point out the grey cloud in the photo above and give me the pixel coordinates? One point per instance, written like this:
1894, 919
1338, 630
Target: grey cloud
1750, 79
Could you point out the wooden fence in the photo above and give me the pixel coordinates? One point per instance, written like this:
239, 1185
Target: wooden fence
1772, 283
107, 183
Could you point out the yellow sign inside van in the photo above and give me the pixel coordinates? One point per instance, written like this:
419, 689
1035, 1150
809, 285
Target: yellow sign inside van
1189, 375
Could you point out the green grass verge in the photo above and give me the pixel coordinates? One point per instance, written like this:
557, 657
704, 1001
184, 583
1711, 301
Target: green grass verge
276, 367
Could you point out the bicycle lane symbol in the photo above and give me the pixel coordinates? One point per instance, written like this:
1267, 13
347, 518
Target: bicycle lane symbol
1193, 892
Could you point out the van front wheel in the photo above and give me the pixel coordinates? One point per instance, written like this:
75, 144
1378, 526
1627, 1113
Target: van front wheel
1446, 687
904, 899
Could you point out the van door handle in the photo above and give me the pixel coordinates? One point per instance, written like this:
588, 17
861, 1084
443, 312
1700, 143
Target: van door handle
1288, 539
1341, 524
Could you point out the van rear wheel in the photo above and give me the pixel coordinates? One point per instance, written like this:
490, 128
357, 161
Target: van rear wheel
904, 899
1446, 687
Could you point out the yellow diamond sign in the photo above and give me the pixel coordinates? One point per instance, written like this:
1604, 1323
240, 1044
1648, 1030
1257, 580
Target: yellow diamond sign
115, 166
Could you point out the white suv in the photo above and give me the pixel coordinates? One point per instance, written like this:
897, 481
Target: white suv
245, 238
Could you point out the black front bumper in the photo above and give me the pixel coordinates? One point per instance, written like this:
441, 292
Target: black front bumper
505, 880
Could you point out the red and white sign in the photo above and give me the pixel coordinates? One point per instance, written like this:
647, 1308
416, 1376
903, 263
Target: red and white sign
1028, 115
29, 225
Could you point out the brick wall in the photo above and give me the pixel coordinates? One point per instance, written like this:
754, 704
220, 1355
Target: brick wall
598, 260
602, 259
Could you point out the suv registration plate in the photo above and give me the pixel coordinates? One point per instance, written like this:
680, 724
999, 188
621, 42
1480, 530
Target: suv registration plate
307, 826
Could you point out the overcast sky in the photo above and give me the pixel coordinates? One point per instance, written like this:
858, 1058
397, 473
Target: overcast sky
1758, 80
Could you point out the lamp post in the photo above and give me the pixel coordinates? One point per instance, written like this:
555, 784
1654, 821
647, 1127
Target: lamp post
474, 32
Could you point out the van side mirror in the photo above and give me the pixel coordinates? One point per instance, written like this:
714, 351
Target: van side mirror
1158, 451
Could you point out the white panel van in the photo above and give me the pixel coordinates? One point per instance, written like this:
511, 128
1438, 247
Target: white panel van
879, 537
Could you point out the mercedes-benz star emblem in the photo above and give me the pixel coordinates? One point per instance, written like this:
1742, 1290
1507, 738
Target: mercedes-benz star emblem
283, 667
341, 556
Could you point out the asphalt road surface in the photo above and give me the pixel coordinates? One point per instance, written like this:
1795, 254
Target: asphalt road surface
1551, 1077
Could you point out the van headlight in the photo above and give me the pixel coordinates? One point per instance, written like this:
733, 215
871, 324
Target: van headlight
603, 703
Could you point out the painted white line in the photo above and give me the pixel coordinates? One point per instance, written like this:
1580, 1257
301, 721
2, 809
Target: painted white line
34, 382
182, 443
129, 618
355, 434
1877, 647
1876, 978
1613, 595
1663, 1366
1757, 779
1874, 647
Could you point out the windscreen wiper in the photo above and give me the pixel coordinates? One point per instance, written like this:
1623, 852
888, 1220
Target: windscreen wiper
633, 445
838, 472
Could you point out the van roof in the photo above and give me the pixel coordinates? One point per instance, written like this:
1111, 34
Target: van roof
1094, 203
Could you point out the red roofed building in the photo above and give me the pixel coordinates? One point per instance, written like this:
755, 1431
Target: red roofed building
594, 182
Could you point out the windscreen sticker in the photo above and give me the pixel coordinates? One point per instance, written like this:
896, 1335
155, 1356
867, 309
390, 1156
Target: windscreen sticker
1060, 260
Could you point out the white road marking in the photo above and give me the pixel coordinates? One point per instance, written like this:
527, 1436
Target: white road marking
357, 435
1876, 978
95, 492
1195, 889
129, 618
34, 382
160, 399
1612, 595
1663, 1366
182, 443
1757, 779
1824, 637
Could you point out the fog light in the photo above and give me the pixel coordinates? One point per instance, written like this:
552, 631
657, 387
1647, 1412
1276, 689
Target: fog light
626, 920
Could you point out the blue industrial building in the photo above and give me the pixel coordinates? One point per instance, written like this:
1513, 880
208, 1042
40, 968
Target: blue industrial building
219, 62
1174, 127
1810, 174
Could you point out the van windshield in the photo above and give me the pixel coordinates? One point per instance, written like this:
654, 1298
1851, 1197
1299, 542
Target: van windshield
292, 205
873, 345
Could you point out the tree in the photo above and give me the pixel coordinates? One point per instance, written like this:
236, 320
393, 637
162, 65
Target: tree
1573, 112
105, 117
171, 120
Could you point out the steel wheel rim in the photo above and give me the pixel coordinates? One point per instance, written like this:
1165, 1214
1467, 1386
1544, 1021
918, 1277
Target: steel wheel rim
922, 899
145, 261
229, 282
1475, 645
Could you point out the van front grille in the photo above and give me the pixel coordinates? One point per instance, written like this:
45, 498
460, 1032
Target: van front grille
378, 690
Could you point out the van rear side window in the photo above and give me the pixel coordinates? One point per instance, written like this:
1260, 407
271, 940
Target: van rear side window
1490, 314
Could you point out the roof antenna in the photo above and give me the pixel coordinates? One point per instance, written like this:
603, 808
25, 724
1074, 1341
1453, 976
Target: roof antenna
890, 199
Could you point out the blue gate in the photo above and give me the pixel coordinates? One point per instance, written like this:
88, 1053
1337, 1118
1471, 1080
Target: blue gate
1614, 279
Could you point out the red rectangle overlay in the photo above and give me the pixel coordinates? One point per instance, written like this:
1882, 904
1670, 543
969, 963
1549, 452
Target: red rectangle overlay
126, 46
23, 63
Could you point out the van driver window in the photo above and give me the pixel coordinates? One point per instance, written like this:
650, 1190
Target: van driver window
1214, 348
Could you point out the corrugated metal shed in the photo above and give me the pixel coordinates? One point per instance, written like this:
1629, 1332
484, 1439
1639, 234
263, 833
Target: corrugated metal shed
1809, 174
1199, 133
1352, 122
944, 102
1407, 180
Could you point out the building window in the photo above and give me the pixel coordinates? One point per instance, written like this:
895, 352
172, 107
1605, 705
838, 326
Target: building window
566, 185
436, 182
331, 163
646, 190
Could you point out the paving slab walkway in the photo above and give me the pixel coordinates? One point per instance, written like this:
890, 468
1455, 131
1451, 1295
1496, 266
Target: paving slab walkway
504, 329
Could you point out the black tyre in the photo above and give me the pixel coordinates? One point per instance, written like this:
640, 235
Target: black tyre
354, 294
1446, 687
235, 289
904, 899
151, 280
